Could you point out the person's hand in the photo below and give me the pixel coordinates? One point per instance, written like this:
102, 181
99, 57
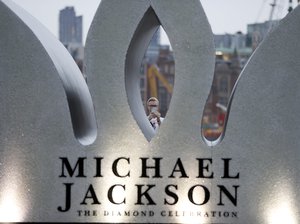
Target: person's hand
154, 114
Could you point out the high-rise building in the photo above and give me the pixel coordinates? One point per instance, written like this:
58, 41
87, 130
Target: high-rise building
258, 31
153, 49
70, 26
155, 41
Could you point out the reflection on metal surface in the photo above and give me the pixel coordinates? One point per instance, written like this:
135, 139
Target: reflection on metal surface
10, 205
172, 193
282, 208
283, 212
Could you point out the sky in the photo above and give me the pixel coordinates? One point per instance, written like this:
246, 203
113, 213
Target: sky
225, 16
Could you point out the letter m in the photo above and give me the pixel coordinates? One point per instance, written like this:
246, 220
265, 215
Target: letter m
65, 166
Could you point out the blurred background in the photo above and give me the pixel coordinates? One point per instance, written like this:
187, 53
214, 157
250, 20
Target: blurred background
239, 26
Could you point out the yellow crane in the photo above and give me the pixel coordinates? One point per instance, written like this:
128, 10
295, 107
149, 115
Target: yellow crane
152, 74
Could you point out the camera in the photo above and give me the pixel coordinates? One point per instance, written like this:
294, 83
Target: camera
153, 109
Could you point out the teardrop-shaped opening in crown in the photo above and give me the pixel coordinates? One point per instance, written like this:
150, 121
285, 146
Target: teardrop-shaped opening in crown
157, 78
149, 75
227, 72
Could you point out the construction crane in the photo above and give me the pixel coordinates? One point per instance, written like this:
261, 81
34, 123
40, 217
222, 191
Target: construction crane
273, 5
152, 75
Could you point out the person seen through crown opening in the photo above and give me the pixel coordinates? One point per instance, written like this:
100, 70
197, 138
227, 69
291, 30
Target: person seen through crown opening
154, 116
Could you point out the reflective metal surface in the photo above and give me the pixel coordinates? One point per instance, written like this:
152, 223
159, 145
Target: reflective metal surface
127, 174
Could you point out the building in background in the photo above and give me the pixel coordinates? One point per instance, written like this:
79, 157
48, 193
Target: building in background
225, 76
232, 53
153, 49
228, 45
258, 31
166, 65
70, 26
70, 34
155, 41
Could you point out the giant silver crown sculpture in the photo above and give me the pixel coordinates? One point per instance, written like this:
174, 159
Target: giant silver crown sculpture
116, 169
